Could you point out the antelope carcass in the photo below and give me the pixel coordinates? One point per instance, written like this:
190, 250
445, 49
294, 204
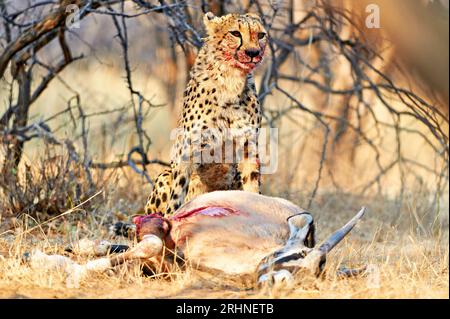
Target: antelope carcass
234, 233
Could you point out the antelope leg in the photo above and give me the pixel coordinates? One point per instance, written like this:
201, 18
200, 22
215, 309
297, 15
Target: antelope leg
150, 246
87, 247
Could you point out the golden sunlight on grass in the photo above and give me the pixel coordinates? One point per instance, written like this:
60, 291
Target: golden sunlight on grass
402, 261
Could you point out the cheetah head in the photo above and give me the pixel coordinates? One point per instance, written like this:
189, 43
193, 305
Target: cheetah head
239, 40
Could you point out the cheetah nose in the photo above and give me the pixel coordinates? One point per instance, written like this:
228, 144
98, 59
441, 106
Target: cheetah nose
252, 53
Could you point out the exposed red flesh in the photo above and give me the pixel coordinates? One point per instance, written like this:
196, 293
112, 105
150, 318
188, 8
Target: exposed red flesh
212, 211
207, 211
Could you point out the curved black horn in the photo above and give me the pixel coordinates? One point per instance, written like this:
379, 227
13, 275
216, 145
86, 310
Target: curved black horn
338, 235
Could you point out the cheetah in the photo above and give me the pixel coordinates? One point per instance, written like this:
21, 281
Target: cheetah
219, 100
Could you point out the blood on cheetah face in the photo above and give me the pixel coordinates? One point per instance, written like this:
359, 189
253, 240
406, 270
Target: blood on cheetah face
240, 39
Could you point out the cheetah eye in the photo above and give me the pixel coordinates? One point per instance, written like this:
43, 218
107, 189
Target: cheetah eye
261, 35
236, 33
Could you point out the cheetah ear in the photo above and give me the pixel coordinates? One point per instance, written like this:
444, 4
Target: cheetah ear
208, 20
254, 16
209, 16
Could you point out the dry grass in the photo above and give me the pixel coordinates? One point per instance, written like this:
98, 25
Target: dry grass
406, 247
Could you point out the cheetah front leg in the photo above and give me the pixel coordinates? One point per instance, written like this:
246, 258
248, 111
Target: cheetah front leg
250, 176
198, 150
248, 166
159, 198
185, 160
180, 186
171, 187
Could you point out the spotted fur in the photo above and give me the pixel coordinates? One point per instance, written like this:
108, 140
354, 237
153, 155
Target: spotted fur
220, 96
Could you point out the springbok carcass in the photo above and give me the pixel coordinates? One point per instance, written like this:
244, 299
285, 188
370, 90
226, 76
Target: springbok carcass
234, 233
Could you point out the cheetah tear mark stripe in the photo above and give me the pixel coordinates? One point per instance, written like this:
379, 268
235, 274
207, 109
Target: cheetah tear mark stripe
241, 42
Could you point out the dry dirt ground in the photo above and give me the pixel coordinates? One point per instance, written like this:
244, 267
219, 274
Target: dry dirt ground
406, 248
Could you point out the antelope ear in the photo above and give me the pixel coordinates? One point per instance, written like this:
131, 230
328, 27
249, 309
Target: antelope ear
310, 240
208, 20
301, 227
